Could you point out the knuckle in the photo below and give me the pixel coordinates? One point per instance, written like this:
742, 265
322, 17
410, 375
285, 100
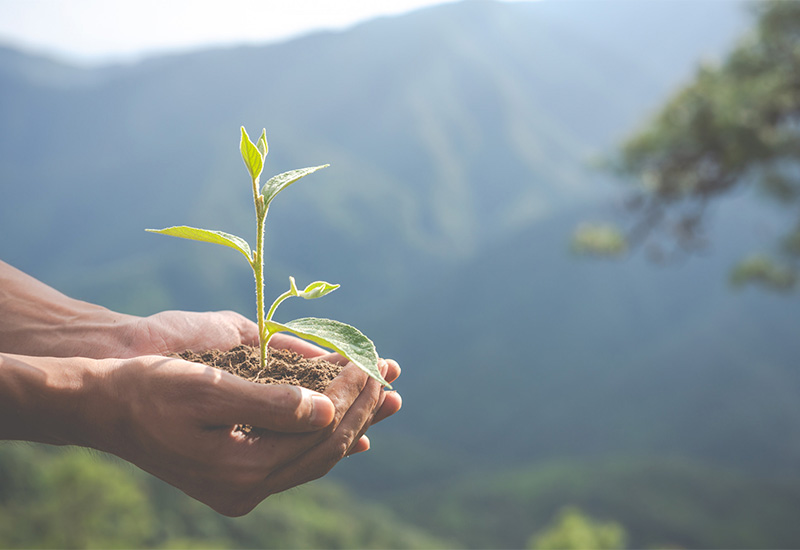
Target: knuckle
287, 403
336, 450
339, 447
374, 400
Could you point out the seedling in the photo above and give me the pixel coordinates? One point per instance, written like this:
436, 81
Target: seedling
346, 340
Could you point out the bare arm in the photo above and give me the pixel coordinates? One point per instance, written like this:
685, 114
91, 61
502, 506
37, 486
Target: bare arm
74, 373
36, 319
176, 420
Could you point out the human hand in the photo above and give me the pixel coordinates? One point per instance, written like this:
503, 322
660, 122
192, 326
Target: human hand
176, 331
177, 421
37, 320
392, 400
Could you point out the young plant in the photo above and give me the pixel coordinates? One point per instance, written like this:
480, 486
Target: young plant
346, 340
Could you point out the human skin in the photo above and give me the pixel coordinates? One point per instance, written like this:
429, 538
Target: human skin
74, 373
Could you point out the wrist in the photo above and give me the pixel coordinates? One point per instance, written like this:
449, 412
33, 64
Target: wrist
37, 320
56, 401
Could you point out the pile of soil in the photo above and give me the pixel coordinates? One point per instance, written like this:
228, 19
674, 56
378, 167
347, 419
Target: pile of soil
283, 366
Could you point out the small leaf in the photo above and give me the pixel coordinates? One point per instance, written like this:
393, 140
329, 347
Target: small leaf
346, 340
206, 235
261, 144
252, 156
317, 289
278, 183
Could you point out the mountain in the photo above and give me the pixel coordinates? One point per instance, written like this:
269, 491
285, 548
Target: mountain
446, 130
599, 358
461, 141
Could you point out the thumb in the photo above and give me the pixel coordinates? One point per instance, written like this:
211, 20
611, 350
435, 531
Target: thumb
282, 408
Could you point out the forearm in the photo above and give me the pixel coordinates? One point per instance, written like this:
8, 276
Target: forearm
54, 400
37, 320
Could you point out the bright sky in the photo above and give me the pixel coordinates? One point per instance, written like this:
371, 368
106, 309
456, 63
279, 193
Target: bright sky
100, 31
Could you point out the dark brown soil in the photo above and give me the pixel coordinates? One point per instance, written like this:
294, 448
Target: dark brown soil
283, 367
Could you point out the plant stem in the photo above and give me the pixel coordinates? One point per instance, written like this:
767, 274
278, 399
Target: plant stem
277, 302
258, 269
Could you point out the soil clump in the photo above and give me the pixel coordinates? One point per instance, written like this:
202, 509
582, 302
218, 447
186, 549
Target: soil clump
283, 366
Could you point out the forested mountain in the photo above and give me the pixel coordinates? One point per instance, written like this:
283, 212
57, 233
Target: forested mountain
461, 141
446, 130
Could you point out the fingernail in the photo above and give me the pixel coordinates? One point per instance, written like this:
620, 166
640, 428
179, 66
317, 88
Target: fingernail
322, 410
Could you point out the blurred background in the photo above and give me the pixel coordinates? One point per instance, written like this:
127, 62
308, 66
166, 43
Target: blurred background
573, 223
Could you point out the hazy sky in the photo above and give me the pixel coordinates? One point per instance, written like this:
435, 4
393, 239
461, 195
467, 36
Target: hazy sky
98, 31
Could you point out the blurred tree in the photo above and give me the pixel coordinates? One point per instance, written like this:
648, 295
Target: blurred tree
67, 498
71, 500
573, 530
599, 239
736, 125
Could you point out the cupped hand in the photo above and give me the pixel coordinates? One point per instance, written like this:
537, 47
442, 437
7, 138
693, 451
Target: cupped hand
177, 420
392, 400
177, 331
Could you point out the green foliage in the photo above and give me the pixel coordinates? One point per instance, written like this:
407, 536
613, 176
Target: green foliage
659, 501
278, 183
344, 339
735, 125
760, 269
72, 500
599, 239
63, 498
573, 530
208, 236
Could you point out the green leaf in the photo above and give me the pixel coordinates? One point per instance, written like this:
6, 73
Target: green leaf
278, 183
261, 144
346, 340
206, 235
317, 289
252, 156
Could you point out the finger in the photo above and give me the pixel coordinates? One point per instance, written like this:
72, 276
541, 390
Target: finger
319, 460
360, 446
248, 330
281, 408
376, 408
345, 389
356, 441
342, 392
391, 404
393, 370
359, 417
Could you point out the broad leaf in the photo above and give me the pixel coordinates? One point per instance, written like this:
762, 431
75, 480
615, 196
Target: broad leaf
344, 339
317, 289
253, 158
278, 183
206, 235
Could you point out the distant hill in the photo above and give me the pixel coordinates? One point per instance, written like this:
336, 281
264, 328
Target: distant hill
660, 502
548, 355
447, 130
